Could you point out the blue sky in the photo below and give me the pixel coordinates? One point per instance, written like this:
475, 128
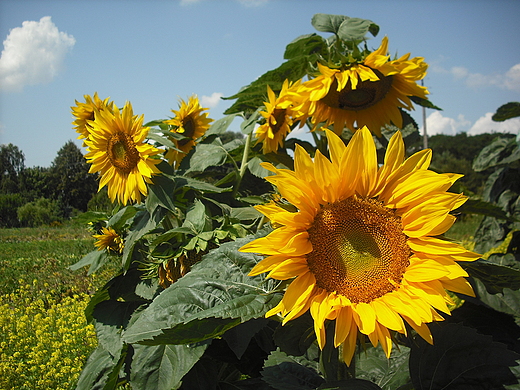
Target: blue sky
154, 52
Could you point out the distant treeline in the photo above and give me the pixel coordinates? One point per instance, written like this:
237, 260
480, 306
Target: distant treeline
43, 195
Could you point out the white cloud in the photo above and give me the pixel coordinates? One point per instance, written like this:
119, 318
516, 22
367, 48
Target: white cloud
508, 80
438, 124
486, 125
33, 54
211, 101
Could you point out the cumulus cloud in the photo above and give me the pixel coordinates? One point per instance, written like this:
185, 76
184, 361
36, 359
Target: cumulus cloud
211, 101
438, 124
33, 54
508, 80
486, 125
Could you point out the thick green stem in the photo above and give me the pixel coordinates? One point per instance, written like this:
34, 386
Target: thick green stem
243, 164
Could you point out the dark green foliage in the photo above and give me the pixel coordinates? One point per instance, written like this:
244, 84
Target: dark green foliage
9, 204
40, 212
12, 162
74, 186
507, 111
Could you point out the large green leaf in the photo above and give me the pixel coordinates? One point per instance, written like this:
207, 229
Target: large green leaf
283, 373
95, 259
162, 367
206, 155
480, 207
306, 45
253, 95
507, 301
120, 219
214, 296
221, 125
202, 186
460, 358
101, 372
355, 29
327, 22
501, 151
161, 194
387, 373
507, 111
296, 336
424, 103
495, 277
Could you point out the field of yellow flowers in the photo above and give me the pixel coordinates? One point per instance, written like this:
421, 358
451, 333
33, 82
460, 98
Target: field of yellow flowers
44, 337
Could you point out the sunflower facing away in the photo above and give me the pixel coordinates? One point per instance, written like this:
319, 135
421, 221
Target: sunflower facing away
368, 94
192, 123
83, 112
279, 116
362, 247
109, 240
116, 149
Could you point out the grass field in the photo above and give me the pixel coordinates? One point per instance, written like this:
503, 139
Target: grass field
44, 339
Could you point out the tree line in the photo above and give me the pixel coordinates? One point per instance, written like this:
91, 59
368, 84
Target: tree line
30, 196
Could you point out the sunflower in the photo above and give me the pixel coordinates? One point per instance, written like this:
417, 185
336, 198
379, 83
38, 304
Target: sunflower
83, 112
109, 240
369, 94
117, 150
279, 115
362, 247
192, 123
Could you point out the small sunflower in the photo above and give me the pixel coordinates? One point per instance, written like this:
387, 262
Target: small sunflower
109, 240
192, 123
279, 115
365, 94
83, 112
116, 149
363, 247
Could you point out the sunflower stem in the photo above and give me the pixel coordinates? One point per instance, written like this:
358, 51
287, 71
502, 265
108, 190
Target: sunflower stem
243, 164
331, 366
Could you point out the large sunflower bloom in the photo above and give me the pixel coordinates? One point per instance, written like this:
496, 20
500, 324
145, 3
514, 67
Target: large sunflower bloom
362, 246
110, 240
83, 112
192, 123
367, 94
116, 149
279, 117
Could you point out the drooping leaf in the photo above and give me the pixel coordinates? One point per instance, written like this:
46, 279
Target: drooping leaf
182, 181
120, 219
161, 194
196, 219
460, 358
306, 45
507, 111
494, 276
283, 373
327, 22
221, 125
480, 207
239, 337
162, 367
387, 373
500, 151
95, 259
426, 103
355, 29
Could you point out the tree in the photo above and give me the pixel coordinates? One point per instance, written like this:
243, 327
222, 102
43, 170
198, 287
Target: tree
74, 186
12, 164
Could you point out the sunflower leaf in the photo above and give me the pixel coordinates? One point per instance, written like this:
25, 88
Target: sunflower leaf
284, 373
204, 156
424, 103
306, 45
507, 111
162, 367
389, 374
495, 277
101, 370
327, 22
355, 29
460, 356
213, 297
